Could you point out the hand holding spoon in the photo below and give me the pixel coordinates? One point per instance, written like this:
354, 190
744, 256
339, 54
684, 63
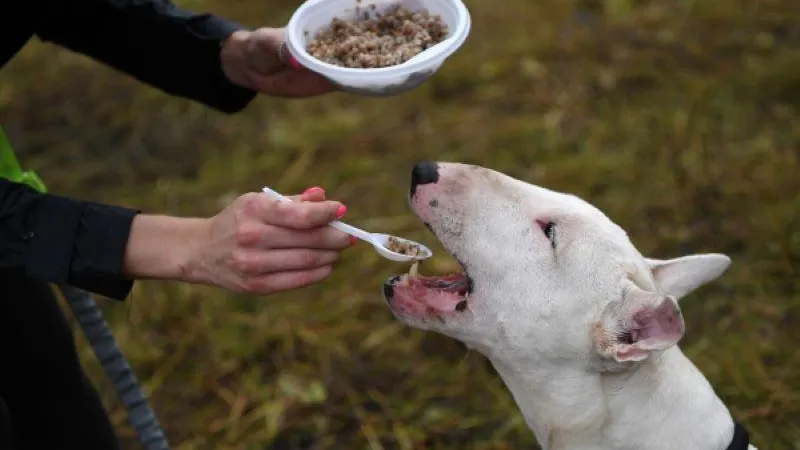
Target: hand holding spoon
380, 241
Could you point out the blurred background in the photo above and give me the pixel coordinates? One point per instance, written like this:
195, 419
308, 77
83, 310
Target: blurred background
680, 119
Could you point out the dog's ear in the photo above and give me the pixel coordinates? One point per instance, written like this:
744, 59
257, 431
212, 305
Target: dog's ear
641, 322
678, 277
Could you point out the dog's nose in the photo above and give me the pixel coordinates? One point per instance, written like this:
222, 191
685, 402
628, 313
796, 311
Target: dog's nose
424, 172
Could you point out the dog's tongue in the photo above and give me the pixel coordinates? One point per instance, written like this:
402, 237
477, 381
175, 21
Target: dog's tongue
441, 300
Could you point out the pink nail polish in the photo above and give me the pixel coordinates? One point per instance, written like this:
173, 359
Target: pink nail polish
313, 190
293, 62
353, 240
341, 212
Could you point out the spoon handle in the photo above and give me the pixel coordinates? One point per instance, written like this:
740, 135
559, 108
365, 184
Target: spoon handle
352, 231
341, 226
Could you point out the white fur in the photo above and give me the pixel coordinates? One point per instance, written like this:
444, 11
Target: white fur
548, 318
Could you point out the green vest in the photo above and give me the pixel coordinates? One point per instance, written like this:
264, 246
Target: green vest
10, 168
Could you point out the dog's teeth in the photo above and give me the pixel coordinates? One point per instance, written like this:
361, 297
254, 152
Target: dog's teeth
403, 279
414, 271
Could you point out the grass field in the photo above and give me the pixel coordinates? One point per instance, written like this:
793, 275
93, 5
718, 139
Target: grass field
680, 119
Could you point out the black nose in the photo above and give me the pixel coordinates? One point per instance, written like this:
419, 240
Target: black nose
424, 172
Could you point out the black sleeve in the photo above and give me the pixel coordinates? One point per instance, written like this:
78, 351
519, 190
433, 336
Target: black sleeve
174, 50
60, 240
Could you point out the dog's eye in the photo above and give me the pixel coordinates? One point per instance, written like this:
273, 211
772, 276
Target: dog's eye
549, 230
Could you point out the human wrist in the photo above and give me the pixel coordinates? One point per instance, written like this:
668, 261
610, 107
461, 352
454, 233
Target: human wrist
165, 248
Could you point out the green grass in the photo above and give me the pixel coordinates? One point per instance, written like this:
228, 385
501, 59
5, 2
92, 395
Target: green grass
681, 120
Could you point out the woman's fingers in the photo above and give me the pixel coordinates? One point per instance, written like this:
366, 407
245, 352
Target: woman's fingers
296, 215
322, 238
313, 194
259, 236
257, 263
263, 234
261, 245
282, 281
293, 83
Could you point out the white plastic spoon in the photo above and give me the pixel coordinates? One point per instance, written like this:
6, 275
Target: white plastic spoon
378, 240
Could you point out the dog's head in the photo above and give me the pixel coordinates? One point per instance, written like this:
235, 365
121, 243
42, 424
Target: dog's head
547, 275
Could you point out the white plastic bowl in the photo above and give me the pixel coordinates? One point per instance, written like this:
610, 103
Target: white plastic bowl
314, 15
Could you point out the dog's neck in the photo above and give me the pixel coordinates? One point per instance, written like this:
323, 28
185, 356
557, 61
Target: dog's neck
664, 403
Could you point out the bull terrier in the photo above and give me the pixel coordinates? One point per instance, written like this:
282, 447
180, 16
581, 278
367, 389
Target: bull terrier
582, 329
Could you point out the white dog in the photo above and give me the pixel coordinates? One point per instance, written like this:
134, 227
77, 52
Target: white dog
579, 325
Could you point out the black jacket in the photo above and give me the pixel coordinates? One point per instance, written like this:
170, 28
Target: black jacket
61, 240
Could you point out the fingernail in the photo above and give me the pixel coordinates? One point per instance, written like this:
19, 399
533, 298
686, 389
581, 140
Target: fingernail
341, 212
313, 190
293, 62
353, 240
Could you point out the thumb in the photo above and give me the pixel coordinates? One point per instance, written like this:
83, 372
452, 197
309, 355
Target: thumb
313, 194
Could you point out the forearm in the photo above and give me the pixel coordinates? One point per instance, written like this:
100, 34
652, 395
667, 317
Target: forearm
162, 247
174, 50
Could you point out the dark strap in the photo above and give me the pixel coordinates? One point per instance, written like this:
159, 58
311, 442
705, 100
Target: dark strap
741, 438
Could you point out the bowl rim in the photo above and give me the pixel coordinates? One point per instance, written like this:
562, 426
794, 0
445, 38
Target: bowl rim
421, 61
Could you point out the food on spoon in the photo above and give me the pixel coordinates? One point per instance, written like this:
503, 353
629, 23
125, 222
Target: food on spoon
403, 247
378, 40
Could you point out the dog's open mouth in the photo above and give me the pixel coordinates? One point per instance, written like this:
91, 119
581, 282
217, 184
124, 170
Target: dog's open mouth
415, 293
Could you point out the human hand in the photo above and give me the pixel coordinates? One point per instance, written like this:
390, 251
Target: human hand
259, 245
259, 60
